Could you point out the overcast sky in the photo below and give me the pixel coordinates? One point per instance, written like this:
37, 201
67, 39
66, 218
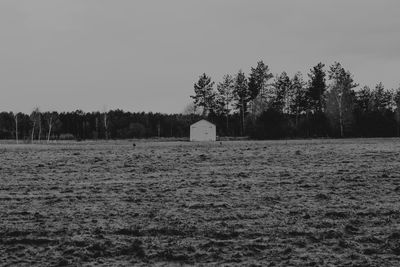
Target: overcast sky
146, 55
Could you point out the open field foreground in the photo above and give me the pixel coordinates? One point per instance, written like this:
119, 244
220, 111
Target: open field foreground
267, 203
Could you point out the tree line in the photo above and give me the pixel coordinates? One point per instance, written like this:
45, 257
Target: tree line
78, 125
329, 103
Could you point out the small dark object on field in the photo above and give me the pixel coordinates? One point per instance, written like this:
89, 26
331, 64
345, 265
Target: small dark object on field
63, 262
321, 196
343, 244
298, 152
350, 229
370, 251
385, 175
220, 143
133, 144
203, 157
287, 251
243, 175
396, 250
135, 248
394, 236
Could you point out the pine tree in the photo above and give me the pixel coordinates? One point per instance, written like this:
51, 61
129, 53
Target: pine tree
204, 94
381, 98
317, 88
298, 96
396, 100
364, 99
225, 97
258, 87
258, 80
282, 86
242, 96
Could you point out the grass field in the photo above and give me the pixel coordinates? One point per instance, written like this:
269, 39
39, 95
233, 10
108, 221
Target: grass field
267, 203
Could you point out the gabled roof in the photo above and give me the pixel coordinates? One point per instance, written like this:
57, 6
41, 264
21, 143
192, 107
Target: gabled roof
202, 122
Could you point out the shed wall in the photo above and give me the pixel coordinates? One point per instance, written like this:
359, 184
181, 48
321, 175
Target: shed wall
203, 131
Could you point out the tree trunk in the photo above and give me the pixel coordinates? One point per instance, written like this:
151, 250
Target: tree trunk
33, 131
105, 126
227, 124
227, 119
341, 118
242, 118
97, 127
339, 98
16, 127
40, 128
253, 108
49, 133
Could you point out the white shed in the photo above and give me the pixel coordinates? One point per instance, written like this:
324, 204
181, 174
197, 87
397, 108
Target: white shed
203, 131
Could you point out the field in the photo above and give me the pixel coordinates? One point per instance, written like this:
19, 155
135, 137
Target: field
260, 203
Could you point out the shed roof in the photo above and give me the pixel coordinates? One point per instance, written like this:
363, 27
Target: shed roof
202, 122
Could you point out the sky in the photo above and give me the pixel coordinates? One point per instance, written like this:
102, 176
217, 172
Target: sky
145, 55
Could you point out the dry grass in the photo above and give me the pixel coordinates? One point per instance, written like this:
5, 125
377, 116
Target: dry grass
276, 203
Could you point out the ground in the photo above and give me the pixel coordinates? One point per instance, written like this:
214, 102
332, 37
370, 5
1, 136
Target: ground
264, 203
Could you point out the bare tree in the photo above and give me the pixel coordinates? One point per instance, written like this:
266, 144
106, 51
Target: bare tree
40, 126
16, 126
35, 118
105, 125
50, 118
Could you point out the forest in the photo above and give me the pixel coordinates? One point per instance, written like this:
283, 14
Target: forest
260, 105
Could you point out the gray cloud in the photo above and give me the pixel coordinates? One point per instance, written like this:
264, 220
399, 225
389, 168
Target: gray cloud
146, 55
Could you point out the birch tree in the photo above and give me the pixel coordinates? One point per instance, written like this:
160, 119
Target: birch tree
35, 119
342, 95
39, 118
105, 123
50, 118
16, 127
